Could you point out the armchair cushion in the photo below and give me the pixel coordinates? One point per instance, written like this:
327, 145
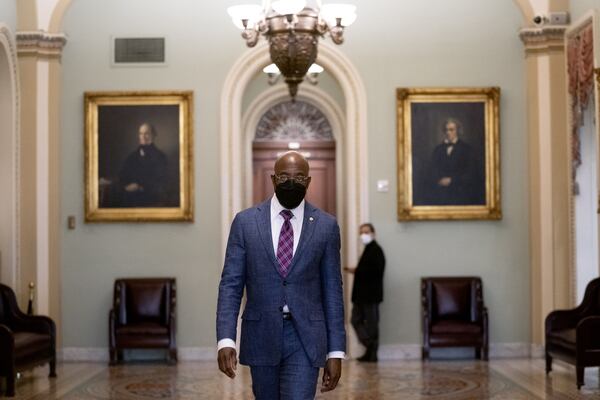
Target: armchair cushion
565, 338
453, 326
28, 344
142, 328
453, 300
145, 301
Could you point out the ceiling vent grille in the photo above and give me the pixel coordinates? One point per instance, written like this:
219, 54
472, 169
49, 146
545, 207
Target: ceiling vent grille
139, 51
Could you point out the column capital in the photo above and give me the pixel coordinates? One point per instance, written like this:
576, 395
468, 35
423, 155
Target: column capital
545, 39
40, 44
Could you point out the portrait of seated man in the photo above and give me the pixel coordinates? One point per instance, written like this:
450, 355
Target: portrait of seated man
143, 177
455, 179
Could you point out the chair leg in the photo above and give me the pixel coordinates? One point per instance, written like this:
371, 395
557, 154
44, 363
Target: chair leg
485, 353
172, 356
53, 367
425, 353
548, 363
580, 373
120, 356
10, 384
113, 356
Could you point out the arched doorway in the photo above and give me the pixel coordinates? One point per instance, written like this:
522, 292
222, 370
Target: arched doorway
9, 188
350, 131
296, 126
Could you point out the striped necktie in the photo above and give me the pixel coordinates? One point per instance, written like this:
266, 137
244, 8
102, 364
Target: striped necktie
285, 248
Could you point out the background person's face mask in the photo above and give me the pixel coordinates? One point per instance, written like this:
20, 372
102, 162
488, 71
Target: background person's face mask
366, 238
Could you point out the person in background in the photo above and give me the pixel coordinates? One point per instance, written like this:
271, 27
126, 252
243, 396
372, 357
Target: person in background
367, 293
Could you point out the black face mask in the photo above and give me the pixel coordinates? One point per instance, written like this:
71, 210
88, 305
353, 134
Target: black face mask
290, 194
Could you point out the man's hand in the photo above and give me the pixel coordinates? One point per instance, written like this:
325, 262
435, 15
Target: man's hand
227, 358
445, 182
331, 374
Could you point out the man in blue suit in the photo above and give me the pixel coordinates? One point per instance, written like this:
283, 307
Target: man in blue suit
286, 254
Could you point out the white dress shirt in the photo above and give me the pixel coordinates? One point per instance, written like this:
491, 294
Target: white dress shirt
276, 223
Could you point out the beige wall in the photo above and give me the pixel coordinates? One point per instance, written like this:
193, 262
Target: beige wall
416, 44
8, 13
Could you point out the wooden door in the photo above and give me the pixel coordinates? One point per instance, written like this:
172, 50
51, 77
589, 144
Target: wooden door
321, 158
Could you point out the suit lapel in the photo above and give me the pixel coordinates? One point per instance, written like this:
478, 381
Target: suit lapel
308, 228
263, 220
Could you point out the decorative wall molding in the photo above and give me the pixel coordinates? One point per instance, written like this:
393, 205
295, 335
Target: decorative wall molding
41, 44
297, 120
543, 40
497, 350
386, 352
9, 44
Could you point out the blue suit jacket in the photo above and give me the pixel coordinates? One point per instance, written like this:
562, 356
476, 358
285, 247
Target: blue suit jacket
312, 290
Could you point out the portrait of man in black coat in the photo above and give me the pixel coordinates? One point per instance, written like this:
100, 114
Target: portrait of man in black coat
367, 293
454, 170
448, 154
143, 177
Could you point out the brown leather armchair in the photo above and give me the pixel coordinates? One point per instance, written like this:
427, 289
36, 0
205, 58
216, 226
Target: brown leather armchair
143, 317
574, 335
25, 341
453, 314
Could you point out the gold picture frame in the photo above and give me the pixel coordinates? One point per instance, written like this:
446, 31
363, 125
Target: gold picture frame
448, 154
139, 156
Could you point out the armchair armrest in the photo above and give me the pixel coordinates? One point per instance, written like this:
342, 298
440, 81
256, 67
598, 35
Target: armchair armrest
37, 323
426, 323
562, 319
6, 335
587, 333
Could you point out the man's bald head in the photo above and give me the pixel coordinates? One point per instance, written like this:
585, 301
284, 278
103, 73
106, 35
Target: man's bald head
291, 163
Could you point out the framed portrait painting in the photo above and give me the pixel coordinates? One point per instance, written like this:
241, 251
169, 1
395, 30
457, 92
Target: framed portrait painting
448, 154
138, 156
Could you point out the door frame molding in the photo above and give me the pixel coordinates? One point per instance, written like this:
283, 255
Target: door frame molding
309, 94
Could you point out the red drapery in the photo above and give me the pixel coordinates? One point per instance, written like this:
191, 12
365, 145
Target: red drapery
580, 70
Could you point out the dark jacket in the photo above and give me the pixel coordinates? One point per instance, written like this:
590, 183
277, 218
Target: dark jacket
368, 278
146, 166
460, 165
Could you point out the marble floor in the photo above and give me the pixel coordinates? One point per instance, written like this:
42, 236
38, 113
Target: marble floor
411, 380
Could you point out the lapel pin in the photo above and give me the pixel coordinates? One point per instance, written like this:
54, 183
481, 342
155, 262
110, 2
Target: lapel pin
311, 219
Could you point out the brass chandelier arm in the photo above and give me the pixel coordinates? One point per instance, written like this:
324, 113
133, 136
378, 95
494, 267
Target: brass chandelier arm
251, 37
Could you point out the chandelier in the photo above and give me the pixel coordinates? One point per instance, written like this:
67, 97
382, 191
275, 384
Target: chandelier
292, 29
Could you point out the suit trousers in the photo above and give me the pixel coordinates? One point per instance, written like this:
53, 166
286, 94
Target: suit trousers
294, 378
365, 320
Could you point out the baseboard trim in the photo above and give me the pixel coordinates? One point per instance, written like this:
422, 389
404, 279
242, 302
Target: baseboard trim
497, 351
386, 352
100, 354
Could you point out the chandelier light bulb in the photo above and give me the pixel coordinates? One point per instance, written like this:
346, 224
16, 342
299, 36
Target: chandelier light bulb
315, 69
331, 12
271, 69
250, 12
288, 7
